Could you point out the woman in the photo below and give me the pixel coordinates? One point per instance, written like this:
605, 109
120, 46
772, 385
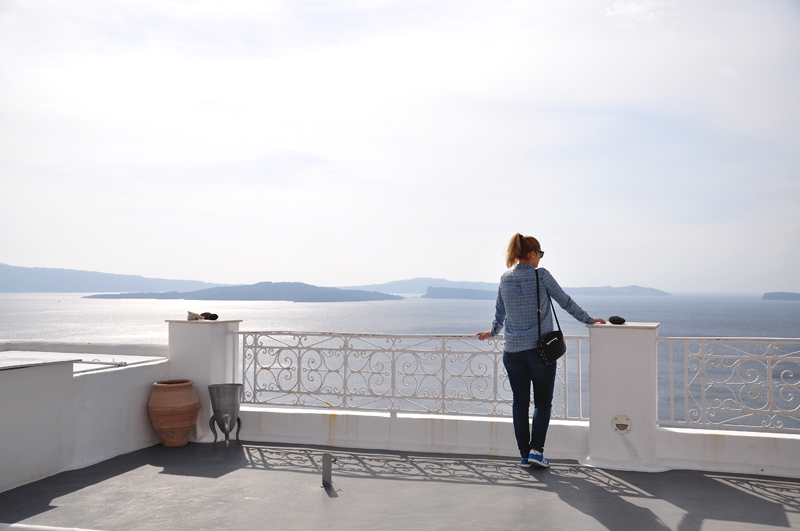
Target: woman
516, 311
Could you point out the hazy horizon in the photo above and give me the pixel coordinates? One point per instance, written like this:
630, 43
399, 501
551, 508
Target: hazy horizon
351, 142
375, 285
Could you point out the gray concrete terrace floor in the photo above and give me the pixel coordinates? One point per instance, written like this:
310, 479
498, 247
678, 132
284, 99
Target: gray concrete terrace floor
270, 486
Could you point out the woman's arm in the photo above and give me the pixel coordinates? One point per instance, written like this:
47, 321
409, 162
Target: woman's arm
499, 318
564, 300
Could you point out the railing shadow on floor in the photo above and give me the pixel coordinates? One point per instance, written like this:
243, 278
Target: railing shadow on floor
679, 499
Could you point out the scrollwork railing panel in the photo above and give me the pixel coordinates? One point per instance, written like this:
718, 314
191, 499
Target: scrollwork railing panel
730, 383
452, 375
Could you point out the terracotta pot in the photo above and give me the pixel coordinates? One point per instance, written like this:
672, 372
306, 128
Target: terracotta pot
173, 410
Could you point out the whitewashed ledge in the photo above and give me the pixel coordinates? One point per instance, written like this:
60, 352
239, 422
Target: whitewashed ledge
409, 432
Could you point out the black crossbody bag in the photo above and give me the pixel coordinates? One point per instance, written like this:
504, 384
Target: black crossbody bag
552, 345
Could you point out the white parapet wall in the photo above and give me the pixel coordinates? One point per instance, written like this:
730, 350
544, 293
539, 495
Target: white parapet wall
203, 351
405, 432
53, 420
37, 431
111, 415
623, 383
771, 454
623, 386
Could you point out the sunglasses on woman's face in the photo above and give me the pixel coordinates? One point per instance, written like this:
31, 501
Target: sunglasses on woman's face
541, 253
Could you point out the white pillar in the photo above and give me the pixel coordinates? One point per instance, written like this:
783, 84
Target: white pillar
622, 383
202, 351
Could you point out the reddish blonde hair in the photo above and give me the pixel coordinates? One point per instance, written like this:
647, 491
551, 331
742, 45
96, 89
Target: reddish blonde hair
519, 247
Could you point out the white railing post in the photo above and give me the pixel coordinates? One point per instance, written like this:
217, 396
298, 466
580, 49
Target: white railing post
622, 380
202, 351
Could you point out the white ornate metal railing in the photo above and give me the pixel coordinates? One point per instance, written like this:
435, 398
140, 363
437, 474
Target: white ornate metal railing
734, 383
441, 374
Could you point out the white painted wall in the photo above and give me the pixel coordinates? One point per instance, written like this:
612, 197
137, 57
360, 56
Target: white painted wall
111, 415
52, 420
202, 351
36, 423
405, 432
771, 454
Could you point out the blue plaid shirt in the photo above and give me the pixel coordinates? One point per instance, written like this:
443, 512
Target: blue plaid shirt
516, 307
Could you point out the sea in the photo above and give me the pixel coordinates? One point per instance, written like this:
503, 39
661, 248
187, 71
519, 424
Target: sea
70, 317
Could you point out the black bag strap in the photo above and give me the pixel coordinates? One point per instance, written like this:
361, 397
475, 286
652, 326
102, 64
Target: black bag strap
539, 311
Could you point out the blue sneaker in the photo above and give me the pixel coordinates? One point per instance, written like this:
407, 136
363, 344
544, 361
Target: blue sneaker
524, 462
537, 458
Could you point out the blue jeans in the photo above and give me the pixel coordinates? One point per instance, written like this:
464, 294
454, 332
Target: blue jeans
525, 368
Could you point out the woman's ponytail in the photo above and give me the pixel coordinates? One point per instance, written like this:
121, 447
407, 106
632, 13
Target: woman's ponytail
519, 247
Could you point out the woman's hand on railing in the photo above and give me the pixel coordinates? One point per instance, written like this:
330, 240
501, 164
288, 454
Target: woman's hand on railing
484, 335
597, 320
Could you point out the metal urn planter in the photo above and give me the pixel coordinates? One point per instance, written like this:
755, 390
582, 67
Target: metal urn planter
173, 409
225, 402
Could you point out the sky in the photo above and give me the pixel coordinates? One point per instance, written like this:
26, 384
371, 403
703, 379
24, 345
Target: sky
648, 142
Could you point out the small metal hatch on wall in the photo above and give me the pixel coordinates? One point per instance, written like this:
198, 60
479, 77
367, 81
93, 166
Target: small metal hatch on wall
622, 424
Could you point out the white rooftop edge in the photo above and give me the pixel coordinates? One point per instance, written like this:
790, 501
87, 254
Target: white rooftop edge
21, 363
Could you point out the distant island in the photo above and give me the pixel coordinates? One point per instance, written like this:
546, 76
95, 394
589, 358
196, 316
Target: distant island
263, 291
458, 293
781, 296
14, 279
420, 285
